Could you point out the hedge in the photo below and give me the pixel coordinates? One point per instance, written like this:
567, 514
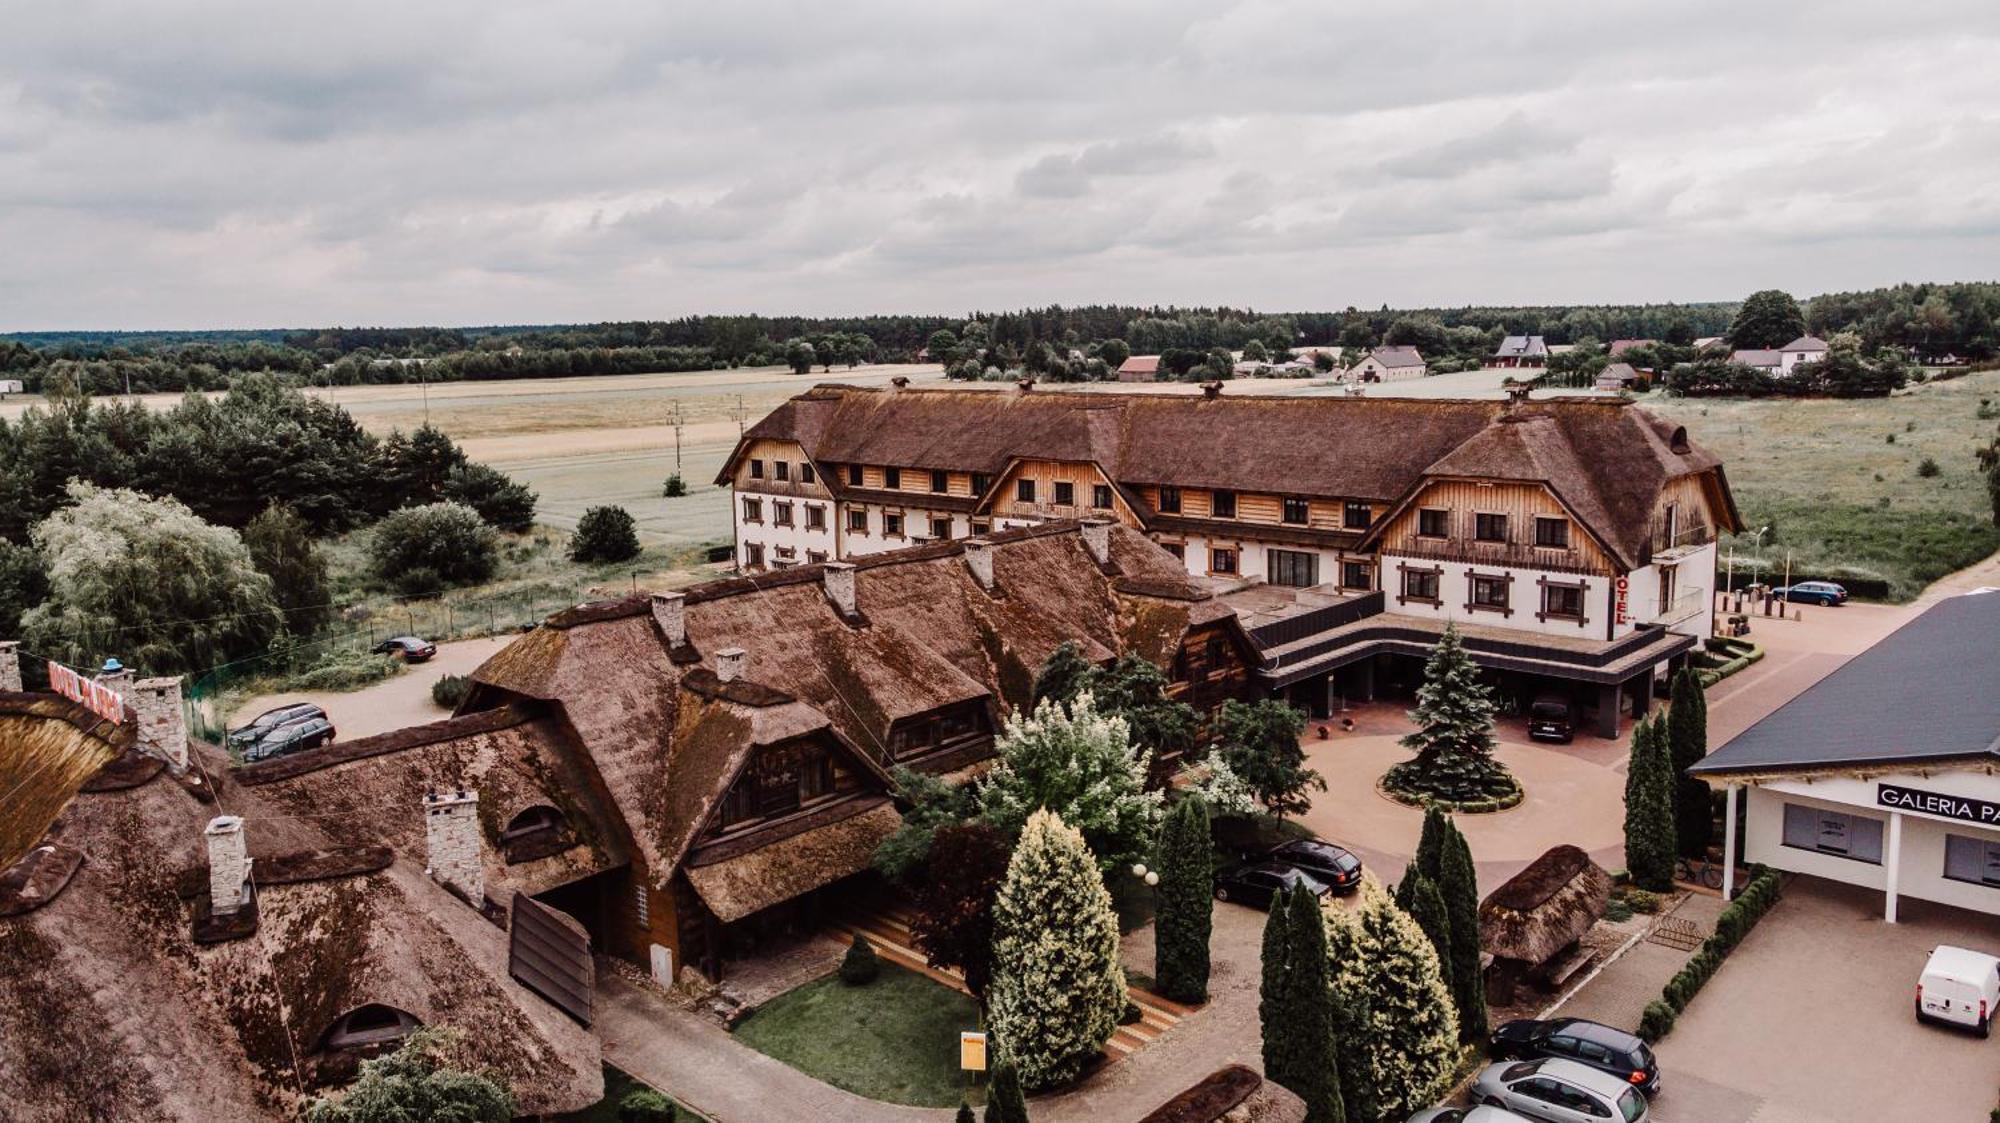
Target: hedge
1737, 919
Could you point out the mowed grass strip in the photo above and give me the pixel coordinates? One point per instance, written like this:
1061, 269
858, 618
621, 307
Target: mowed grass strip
895, 1039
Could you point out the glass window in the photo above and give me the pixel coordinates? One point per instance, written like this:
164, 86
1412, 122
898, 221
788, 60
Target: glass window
814, 557
1972, 859
753, 555
1420, 584
1356, 516
857, 519
815, 517
980, 482
941, 529
1489, 592
979, 528
753, 510
1297, 510
1100, 496
1563, 600
781, 514
892, 477
1356, 575
783, 468
1221, 560
1433, 523
1489, 528
892, 525
1065, 493
806, 473
940, 480
854, 476
1024, 491
1170, 501
756, 469
1834, 832
1296, 568
1551, 533
1222, 504
1176, 549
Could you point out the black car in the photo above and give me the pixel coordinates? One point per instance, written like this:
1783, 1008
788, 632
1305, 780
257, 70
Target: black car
246, 735
412, 649
293, 737
1587, 1043
1257, 882
1550, 719
1328, 864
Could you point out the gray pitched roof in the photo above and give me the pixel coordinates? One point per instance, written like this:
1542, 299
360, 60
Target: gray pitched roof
1805, 343
1397, 356
1522, 345
1930, 691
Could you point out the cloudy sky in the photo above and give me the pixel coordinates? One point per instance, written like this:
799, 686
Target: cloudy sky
209, 163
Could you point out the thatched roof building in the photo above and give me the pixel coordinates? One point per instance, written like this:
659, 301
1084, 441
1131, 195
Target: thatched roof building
1234, 1094
1545, 908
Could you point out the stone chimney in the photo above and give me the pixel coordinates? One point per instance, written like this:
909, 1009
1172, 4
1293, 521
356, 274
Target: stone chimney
1024, 384
670, 611
1211, 389
1097, 539
1517, 392
162, 725
979, 559
900, 382
228, 866
10, 665
838, 577
729, 663
451, 830
117, 678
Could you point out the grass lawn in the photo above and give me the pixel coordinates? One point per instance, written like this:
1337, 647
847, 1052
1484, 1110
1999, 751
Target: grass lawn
617, 1083
895, 1039
1837, 479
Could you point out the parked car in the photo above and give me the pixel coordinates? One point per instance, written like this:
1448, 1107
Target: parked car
243, 736
412, 649
293, 737
1588, 1043
1959, 987
1335, 866
1478, 1113
1550, 719
1826, 593
1257, 882
1559, 1091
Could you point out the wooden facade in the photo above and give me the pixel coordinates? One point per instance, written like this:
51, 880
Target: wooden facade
1520, 504
764, 456
1048, 477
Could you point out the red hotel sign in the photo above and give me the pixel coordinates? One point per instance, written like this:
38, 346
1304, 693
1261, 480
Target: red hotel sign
95, 697
1624, 587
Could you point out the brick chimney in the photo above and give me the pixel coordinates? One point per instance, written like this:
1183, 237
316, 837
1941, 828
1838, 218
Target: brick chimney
451, 830
1024, 384
1517, 392
670, 611
1211, 389
228, 865
979, 559
729, 663
838, 577
10, 665
162, 725
900, 382
1097, 539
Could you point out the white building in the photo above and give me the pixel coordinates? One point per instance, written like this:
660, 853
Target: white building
1389, 364
1883, 773
1804, 349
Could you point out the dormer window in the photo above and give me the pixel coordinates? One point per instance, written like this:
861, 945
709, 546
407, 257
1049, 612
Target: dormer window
373, 1024
537, 832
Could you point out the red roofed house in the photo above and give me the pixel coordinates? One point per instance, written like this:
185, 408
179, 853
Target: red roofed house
1139, 368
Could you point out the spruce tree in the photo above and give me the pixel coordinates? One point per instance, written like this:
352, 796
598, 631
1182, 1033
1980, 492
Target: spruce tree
1454, 736
1058, 989
1687, 734
1420, 897
1649, 822
1063, 676
1458, 884
1186, 899
1312, 1064
1398, 1055
1004, 1101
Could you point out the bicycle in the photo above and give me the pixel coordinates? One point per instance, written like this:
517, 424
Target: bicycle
1698, 871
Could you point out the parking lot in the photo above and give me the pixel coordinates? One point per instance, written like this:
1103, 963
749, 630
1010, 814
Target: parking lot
1811, 1019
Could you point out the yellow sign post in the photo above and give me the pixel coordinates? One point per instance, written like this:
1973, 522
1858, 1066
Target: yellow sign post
972, 1051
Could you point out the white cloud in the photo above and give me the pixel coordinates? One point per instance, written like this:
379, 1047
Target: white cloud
222, 163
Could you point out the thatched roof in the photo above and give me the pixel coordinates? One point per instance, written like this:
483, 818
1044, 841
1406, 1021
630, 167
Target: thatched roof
49, 748
736, 887
667, 739
112, 1010
1544, 908
1235, 1094
1608, 459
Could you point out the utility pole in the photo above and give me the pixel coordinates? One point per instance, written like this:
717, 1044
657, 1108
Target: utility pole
740, 413
677, 438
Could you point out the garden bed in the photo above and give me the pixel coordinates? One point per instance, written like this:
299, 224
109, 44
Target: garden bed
1479, 806
894, 1040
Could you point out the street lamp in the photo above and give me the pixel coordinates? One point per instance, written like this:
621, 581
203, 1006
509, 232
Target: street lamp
1150, 877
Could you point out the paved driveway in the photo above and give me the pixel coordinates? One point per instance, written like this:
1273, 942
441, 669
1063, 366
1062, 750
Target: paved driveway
1811, 1019
401, 700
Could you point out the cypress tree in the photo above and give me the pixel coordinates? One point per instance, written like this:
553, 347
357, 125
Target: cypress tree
1186, 903
1431, 844
1687, 734
1313, 1071
1649, 822
964, 1109
1426, 907
1397, 1037
1458, 886
1273, 994
1004, 1101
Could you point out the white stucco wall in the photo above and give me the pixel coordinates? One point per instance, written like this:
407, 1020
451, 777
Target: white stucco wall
772, 537
1455, 590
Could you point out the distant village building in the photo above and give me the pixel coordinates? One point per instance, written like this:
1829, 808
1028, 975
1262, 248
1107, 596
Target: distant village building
1620, 346
1619, 376
1768, 360
1139, 368
1389, 364
1520, 351
1804, 349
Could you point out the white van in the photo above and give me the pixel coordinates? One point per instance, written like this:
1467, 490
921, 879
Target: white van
1960, 987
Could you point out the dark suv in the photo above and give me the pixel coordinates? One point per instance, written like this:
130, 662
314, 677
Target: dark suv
1588, 1043
245, 736
1549, 719
292, 737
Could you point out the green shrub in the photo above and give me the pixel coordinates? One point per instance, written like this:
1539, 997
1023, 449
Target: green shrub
604, 534
337, 671
417, 583
1643, 900
449, 690
448, 538
1618, 912
675, 487
498, 499
1928, 468
644, 1105
859, 967
1656, 1021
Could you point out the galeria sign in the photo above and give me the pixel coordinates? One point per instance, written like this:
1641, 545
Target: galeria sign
1939, 804
95, 697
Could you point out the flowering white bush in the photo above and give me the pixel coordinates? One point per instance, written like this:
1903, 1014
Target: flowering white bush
1220, 787
1080, 764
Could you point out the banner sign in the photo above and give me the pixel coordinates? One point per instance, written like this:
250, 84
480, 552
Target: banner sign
1624, 588
94, 696
1937, 803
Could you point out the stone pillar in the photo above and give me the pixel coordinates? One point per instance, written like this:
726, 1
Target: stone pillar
1097, 539
729, 663
162, 723
1607, 710
1729, 842
451, 828
1892, 865
10, 666
228, 865
1364, 680
979, 559
838, 578
670, 612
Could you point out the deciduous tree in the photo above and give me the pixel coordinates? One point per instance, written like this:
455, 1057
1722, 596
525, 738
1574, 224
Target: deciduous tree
1260, 743
952, 922
1767, 319
604, 534
1079, 763
428, 1077
281, 547
447, 539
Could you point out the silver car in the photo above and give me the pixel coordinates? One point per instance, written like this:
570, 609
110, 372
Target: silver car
1559, 1091
1479, 1114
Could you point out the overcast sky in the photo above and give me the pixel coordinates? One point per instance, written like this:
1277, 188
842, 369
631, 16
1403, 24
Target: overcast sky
203, 163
